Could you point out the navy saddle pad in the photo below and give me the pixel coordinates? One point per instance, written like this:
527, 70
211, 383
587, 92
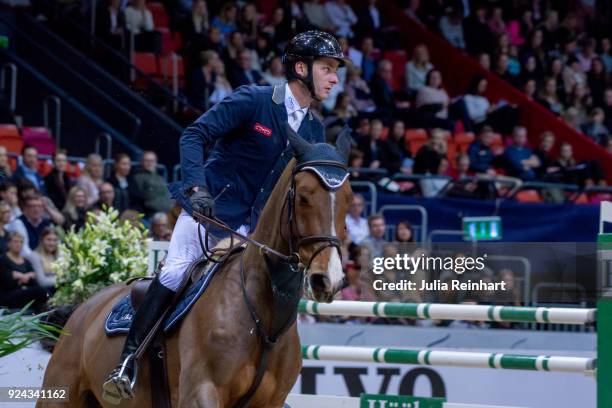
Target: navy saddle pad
120, 317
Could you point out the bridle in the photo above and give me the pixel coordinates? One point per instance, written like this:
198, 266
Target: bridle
295, 240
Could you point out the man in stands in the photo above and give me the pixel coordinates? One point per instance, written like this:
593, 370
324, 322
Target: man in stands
375, 241
29, 169
356, 225
520, 159
249, 154
480, 153
149, 192
31, 223
107, 195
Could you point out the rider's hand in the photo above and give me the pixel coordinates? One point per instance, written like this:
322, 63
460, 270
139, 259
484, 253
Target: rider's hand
202, 202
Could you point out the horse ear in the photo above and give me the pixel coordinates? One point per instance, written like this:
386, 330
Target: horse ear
299, 145
343, 142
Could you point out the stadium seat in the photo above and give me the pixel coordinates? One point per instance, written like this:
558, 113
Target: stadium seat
497, 144
528, 196
44, 167
415, 138
73, 170
160, 17
464, 140
168, 44
149, 64
40, 138
384, 134
166, 63
11, 139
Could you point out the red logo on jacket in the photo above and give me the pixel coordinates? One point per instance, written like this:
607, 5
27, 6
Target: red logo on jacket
259, 128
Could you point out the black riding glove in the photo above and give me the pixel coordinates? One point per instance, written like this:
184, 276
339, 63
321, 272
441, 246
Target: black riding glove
202, 202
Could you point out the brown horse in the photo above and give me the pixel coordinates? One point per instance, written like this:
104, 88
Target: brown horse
213, 355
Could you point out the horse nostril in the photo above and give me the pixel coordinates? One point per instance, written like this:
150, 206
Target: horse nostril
319, 283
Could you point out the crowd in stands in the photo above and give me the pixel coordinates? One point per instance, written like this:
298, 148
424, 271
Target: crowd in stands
38, 209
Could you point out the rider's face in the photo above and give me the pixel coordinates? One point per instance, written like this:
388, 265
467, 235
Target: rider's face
324, 76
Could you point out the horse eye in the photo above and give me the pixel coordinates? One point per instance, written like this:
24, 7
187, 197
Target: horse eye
304, 200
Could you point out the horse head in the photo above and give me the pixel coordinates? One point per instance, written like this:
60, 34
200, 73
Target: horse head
320, 195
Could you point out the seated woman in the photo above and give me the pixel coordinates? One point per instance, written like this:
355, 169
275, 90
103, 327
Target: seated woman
500, 116
18, 285
48, 252
432, 102
75, 210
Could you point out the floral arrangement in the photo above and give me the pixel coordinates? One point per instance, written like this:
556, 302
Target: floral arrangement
104, 252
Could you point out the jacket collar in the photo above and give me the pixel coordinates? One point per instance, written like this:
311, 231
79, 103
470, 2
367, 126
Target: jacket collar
278, 97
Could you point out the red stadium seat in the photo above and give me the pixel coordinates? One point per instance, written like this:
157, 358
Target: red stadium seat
44, 167
167, 68
415, 138
73, 170
40, 138
464, 140
11, 139
528, 196
168, 44
384, 134
160, 17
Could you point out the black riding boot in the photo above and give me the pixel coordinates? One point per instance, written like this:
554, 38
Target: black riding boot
118, 385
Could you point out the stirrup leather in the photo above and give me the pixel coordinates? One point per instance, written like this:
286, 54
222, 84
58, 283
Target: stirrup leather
118, 384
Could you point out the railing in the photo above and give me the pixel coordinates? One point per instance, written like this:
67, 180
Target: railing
12, 68
57, 102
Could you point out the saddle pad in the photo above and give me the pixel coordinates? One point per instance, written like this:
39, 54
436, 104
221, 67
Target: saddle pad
119, 319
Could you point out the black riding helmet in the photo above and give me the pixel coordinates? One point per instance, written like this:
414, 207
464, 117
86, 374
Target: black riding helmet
307, 47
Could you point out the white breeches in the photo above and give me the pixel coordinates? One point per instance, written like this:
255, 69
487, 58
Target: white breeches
184, 249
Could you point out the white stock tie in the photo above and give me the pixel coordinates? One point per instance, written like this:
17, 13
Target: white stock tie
296, 119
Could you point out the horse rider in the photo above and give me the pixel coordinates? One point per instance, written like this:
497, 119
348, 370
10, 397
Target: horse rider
249, 152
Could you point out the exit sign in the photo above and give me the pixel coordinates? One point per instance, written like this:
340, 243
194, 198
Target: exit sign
482, 228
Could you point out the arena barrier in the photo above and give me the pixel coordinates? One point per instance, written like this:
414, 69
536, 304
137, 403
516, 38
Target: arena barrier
581, 365
438, 311
323, 401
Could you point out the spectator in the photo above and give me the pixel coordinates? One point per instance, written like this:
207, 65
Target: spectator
371, 22
544, 152
5, 167
571, 117
8, 194
478, 36
356, 224
274, 75
587, 54
497, 25
342, 17
518, 29
356, 162
501, 116
607, 107
107, 195
48, 252
226, 20
413, 9
597, 80
484, 60
432, 102
549, 29
265, 53
231, 53
579, 100
452, 29
501, 69
316, 14
404, 233
606, 54
431, 186
480, 153
111, 23
549, 98
223, 88
395, 156
429, 156
368, 62
535, 49
197, 24
149, 192
372, 146
213, 41
530, 70
91, 178
279, 26
245, 74
57, 181
5, 219
248, 22
344, 110
520, 159
18, 284
28, 169
382, 93
357, 288
138, 17
358, 90
159, 227
75, 210
418, 68
202, 80
595, 128
555, 71
31, 223
572, 74
120, 180
375, 241
530, 88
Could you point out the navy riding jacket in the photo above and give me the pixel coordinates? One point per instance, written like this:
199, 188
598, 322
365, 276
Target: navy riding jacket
249, 152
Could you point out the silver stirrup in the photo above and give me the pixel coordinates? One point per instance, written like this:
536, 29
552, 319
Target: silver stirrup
119, 386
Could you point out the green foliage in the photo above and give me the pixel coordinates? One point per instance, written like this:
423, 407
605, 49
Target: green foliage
18, 330
106, 251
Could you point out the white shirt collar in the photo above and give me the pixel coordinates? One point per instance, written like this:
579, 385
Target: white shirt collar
291, 104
